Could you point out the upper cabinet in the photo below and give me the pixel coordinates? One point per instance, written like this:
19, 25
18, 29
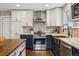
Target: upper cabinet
48, 17
16, 15
55, 17
29, 18
25, 16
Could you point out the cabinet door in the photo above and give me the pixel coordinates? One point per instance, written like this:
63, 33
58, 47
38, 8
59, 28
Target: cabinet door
6, 27
16, 30
24, 18
29, 42
59, 18
56, 17
48, 41
16, 16
53, 18
48, 18
30, 18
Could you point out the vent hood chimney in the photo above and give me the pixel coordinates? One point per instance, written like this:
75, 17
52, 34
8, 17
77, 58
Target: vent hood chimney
39, 15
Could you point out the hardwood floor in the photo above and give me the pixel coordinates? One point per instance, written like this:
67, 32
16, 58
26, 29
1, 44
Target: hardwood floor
39, 53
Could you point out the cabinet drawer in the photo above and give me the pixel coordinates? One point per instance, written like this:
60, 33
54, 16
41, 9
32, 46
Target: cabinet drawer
14, 53
23, 53
20, 48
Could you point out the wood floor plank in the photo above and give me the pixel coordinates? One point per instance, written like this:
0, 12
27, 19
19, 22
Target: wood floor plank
39, 53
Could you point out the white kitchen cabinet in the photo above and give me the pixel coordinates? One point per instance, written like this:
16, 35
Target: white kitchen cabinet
29, 18
48, 18
5, 27
58, 17
16, 15
54, 17
20, 18
26, 16
16, 29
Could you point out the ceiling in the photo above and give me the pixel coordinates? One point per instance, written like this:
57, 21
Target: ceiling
34, 6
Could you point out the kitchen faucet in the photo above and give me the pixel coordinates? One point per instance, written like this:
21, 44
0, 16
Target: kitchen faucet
67, 29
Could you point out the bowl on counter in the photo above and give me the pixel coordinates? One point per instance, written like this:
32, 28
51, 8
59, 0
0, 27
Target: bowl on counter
5, 43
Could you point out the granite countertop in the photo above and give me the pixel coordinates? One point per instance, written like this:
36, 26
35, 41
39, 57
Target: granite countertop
5, 51
73, 41
56, 34
27, 34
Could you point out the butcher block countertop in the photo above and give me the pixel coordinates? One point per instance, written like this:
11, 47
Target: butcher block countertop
15, 43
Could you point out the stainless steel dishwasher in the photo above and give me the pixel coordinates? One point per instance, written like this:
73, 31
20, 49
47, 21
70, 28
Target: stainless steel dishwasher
65, 49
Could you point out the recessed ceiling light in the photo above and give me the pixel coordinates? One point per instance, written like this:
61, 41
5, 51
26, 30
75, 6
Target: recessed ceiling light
47, 5
17, 5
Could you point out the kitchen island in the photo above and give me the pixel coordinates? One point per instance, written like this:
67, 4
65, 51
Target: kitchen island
15, 48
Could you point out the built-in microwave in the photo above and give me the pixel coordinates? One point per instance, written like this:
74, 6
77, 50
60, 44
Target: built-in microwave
75, 10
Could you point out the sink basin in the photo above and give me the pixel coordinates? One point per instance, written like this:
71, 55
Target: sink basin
60, 35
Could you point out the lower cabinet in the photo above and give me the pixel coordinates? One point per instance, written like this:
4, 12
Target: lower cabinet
48, 42
52, 44
75, 52
56, 49
29, 41
55, 46
19, 51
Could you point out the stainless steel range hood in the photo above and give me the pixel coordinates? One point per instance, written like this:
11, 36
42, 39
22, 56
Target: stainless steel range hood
39, 15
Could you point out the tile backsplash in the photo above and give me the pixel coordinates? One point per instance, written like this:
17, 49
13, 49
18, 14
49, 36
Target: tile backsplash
74, 32
26, 30
39, 27
52, 29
